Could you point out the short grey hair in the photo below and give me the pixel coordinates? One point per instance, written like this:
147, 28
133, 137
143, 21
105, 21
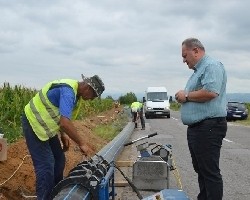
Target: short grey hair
192, 43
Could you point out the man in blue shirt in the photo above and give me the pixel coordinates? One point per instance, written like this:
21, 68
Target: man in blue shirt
49, 114
203, 110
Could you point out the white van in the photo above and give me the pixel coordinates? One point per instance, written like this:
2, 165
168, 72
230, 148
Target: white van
156, 102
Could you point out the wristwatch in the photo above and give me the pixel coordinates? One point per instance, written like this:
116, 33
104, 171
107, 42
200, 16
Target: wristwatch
186, 96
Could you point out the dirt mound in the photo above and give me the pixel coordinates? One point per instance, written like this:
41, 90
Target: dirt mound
15, 185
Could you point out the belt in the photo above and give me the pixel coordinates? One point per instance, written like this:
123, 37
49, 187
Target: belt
208, 119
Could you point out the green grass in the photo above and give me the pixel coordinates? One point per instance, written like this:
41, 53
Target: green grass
175, 106
245, 122
111, 130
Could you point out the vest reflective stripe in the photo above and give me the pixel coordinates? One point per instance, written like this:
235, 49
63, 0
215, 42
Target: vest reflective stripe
43, 116
40, 120
51, 112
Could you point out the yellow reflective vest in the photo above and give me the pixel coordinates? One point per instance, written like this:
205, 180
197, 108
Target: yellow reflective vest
136, 106
43, 116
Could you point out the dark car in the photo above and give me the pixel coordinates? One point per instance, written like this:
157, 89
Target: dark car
236, 110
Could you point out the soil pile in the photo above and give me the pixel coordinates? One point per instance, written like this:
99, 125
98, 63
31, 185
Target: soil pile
15, 186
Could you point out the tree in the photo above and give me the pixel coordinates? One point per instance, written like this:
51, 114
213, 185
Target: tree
109, 97
128, 98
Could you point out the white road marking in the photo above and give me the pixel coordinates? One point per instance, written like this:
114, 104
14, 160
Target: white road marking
227, 140
174, 118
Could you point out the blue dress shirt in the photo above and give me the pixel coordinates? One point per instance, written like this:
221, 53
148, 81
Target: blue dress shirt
209, 75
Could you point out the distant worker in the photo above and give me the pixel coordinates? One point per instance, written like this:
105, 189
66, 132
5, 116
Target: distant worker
137, 112
117, 104
49, 113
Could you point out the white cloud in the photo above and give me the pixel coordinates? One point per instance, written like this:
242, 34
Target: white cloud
130, 44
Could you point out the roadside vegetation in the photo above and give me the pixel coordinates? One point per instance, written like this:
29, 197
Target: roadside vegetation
128, 99
14, 98
111, 130
175, 106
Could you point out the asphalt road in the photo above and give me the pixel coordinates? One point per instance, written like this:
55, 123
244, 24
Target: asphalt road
234, 163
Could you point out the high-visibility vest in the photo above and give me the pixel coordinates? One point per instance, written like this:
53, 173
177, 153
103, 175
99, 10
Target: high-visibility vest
43, 116
136, 106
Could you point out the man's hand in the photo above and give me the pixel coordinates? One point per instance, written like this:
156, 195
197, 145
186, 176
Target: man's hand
201, 96
65, 141
180, 96
84, 149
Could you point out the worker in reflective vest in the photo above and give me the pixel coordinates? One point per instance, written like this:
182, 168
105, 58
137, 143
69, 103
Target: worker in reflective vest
49, 114
137, 112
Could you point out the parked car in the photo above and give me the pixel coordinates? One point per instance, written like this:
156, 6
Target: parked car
236, 110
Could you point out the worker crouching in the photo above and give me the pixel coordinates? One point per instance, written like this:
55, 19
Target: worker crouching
137, 112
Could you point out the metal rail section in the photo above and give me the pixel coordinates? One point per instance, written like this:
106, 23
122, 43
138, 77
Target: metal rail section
94, 178
114, 148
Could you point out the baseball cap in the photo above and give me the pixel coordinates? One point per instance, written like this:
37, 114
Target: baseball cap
96, 83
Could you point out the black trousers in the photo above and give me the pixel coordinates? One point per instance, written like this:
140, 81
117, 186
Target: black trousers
134, 115
204, 142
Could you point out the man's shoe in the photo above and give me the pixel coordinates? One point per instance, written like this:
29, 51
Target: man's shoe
143, 128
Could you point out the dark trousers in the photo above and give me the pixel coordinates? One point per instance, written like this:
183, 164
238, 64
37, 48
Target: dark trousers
48, 160
204, 142
134, 115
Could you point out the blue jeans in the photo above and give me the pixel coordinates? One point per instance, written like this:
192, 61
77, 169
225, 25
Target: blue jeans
48, 160
204, 141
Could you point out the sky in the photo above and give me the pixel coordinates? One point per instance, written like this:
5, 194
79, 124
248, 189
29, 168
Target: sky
130, 44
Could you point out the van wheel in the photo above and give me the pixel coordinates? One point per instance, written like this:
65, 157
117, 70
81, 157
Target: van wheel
147, 116
168, 116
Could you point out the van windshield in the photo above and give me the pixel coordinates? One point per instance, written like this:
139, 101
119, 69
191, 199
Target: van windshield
151, 96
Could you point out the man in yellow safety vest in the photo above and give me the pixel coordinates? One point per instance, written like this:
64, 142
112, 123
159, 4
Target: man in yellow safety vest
137, 112
49, 114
